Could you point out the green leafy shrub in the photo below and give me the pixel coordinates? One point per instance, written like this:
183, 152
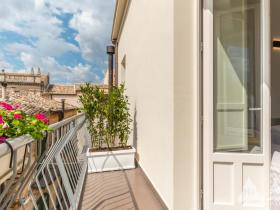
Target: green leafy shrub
107, 114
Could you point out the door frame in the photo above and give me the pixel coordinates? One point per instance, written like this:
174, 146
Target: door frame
207, 89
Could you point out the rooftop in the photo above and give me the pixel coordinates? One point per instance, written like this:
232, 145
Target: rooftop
62, 89
69, 89
33, 103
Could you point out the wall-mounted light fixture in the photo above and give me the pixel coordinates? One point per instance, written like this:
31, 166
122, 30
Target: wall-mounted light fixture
276, 44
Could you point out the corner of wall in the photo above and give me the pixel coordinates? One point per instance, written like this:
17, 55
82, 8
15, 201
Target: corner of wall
186, 104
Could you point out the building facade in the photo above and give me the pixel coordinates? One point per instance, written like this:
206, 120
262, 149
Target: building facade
203, 90
35, 82
157, 56
68, 92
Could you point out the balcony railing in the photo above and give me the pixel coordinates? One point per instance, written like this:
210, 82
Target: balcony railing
55, 179
59, 177
11, 176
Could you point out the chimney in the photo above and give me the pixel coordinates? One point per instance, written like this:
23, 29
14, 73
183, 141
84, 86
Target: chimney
4, 90
62, 109
13, 89
110, 52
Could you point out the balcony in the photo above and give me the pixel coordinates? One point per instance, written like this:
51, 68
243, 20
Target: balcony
57, 177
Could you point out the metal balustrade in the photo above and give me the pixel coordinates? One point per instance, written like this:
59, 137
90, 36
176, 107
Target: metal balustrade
14, 176
56, 181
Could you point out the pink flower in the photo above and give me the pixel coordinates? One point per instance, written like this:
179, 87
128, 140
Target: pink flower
6, 106
1, 119
17, 106
2, 139
17, 116
40, 116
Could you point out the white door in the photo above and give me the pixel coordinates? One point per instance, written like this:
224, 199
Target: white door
236, 104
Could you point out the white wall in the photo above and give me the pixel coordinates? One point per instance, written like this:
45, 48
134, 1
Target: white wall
275, 60
186, 104
160, 42
147, 43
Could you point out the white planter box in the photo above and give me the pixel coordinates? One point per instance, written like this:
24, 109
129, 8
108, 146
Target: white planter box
111, 160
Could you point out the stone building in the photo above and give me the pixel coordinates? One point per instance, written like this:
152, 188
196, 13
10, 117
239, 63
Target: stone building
33, 81
37, 82
69, 92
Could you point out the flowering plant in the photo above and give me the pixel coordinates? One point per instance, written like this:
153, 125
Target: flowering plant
14, 122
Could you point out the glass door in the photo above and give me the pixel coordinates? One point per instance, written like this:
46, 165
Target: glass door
236, 105
237, 76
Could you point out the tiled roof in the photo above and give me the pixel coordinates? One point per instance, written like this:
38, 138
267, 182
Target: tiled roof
62, 89
69, 88
33, 103
78, 86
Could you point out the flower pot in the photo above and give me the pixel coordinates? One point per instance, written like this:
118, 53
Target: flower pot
111, 160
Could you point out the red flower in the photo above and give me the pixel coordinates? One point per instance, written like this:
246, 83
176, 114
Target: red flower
40, 116
1, 119
6, 106
17, 116
45, 120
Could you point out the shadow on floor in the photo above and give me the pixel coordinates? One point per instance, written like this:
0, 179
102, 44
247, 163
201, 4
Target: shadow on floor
118, 190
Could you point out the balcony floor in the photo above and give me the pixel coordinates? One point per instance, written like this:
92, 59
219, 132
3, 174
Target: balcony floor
119, 190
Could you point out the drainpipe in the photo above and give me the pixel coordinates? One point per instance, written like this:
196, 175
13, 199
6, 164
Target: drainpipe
111, 52
116, 65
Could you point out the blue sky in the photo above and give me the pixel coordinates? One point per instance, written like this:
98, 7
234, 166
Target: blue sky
66, 38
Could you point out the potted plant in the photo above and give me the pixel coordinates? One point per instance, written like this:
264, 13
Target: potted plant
15, 124
109, 122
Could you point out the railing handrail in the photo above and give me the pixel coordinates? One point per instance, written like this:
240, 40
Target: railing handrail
66, 121
21, 141
58, 130
16, 144
64, 156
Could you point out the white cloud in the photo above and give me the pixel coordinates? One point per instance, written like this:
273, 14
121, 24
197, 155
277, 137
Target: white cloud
58, 72
3, 63
93, 20
38, 21
89, 37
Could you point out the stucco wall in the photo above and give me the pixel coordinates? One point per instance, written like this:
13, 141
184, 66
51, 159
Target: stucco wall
275, 60
146, 41
69, 99
160, 40
186, 104
54, 117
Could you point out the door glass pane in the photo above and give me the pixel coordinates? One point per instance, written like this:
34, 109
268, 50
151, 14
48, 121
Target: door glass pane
237, 76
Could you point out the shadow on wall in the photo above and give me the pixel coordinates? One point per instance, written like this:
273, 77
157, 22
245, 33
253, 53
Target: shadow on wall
135, 137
